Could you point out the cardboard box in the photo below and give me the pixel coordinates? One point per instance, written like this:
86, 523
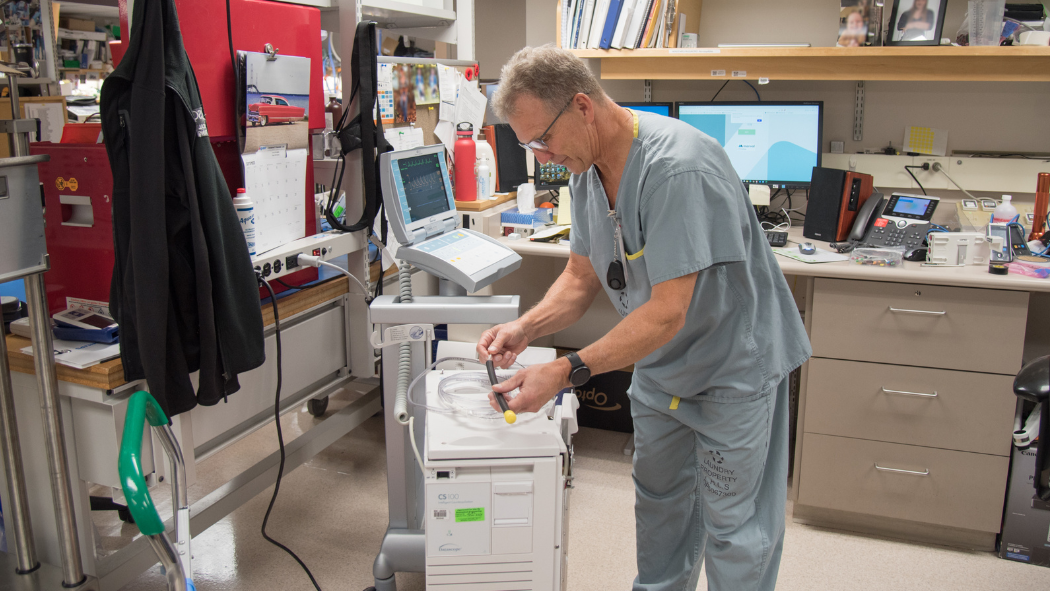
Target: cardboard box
1026, 521
78, 24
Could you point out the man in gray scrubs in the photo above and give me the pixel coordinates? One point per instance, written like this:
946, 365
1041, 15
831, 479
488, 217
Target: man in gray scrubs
708, 321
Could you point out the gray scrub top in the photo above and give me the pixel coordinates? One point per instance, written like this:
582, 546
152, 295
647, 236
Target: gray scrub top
682, 209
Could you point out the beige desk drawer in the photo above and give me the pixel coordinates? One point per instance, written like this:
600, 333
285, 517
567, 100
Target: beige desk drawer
957, 410
951, 488
922, 325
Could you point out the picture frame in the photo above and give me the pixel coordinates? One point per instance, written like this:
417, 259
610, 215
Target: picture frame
855, 23
916, 22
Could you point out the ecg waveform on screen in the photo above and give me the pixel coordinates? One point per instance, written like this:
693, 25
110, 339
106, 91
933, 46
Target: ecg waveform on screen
424, 186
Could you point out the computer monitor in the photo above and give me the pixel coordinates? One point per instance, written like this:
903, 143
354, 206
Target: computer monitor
552, 176
418, 193
769, 143
665, 109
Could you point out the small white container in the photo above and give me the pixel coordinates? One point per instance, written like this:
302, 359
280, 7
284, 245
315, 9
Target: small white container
1005, 212
484, 176
246, 216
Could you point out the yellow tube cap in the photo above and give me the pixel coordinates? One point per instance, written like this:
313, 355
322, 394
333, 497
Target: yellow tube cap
510, 416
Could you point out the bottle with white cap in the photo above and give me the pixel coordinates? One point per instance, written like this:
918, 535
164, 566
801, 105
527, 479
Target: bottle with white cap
484, 173
1005, 212
246, 216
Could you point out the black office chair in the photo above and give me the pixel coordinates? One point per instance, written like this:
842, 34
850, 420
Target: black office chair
1033, 384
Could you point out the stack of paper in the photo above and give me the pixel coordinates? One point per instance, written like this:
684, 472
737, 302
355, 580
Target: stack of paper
79, 354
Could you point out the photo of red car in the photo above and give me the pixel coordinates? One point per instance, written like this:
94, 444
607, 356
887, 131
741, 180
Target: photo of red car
274, 108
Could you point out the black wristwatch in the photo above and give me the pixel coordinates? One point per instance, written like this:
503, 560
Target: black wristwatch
580, 373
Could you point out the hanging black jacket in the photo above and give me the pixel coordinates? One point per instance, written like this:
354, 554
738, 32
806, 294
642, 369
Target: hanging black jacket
183, 291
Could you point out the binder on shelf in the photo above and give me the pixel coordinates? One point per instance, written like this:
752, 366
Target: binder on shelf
647, 30
585, 25
611, 22
641, 11
626, 15
601, 10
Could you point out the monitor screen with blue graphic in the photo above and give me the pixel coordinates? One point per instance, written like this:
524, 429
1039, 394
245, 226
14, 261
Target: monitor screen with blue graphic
769, 143
665, 109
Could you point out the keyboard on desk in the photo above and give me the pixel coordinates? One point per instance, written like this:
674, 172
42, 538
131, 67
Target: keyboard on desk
777, 238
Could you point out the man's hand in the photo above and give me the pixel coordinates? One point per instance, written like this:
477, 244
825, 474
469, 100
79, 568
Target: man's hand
502, 343
536, 385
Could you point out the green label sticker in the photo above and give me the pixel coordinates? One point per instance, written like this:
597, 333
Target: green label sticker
476, 514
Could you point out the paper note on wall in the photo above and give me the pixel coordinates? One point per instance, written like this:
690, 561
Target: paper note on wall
404, 138
385, 92
447, 83
926, 140
274, 179
447, 134
470, 106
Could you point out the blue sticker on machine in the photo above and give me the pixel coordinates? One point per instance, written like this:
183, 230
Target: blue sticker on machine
1016, 556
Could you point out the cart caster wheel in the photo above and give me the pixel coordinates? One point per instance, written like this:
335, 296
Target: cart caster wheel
317, 406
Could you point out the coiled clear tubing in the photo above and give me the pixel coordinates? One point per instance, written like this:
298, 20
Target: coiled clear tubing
463, 393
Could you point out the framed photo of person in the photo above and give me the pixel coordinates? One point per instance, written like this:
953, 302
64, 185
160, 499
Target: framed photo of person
916, 22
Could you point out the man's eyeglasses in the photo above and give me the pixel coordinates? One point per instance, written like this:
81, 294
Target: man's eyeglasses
539, 144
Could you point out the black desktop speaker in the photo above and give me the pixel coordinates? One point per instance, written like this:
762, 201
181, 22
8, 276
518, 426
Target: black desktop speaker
835, 196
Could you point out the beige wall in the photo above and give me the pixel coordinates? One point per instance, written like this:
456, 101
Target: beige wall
978, 116
499, 31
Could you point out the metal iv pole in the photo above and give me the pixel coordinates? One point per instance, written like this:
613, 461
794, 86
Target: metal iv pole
25, 256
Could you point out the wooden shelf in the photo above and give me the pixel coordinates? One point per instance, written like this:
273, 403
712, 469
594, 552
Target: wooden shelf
405, 15
1000, 64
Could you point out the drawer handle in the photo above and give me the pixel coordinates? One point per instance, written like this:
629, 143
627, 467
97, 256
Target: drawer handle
902, 392
925, 312
899, 471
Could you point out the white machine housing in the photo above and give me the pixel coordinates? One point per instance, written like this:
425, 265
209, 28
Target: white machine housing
421, 209
497, 497
958, 248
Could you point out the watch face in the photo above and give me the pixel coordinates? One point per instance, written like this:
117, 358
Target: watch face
579, 376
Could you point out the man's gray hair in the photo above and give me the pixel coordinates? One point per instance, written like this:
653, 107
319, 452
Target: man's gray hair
548, 73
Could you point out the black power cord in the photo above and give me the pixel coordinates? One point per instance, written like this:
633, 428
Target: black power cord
757, 96
923, 166
280, 436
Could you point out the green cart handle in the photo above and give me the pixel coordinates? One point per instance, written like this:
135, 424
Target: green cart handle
142, 407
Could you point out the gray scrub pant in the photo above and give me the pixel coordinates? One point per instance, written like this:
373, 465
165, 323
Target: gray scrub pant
711, 481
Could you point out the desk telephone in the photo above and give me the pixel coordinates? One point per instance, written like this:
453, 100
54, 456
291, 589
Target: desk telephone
901, 220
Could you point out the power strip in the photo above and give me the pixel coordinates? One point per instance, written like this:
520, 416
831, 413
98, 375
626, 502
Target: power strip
283, 260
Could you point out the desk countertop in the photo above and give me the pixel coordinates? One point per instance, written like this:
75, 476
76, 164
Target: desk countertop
971, 276
110, 374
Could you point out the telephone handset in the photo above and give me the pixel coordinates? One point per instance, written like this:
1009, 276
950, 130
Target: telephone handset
865, 217
901, 220
871, 206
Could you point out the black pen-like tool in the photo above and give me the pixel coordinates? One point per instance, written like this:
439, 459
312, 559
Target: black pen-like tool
508, 414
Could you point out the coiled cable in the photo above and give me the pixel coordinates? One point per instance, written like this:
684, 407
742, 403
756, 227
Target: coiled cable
404, 362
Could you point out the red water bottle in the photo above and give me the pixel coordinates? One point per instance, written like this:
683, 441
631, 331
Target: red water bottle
465, 156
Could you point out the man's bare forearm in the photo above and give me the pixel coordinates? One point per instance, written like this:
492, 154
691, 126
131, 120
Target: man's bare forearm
646, 329
564, 303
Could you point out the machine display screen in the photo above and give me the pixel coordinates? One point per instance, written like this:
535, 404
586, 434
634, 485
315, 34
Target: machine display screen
421, 187
911, 206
